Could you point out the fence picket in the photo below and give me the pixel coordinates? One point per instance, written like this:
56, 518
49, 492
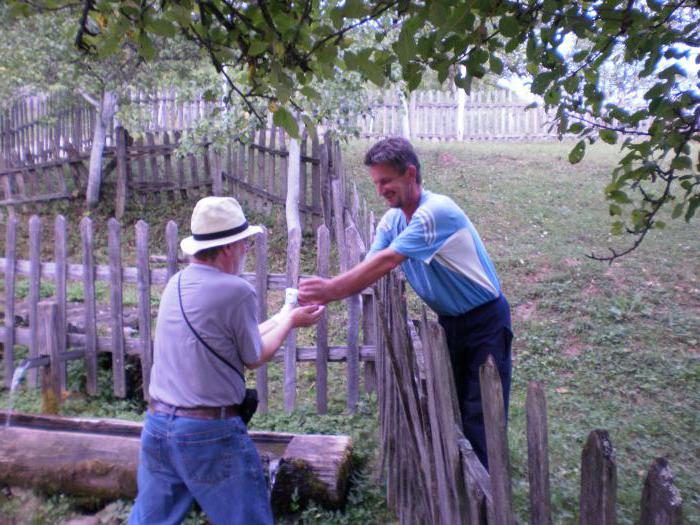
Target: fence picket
144, 303
598, 480
34, 289
60, 253
261, 288
153, 161
538, 455
661, 501
116, 307
323, 255
172, 248
354, 252
86, 233
10, 280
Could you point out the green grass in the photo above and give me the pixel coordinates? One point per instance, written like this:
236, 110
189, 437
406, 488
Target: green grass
616, 347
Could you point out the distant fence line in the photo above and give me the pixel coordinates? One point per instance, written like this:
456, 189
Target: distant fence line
452, 116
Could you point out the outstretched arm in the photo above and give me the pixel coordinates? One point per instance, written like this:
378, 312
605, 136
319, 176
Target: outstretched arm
317, 290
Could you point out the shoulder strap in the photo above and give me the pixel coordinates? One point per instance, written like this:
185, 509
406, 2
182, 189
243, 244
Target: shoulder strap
199, 338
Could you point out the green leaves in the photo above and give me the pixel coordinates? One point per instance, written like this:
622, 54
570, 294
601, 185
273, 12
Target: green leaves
283, 118
577, 153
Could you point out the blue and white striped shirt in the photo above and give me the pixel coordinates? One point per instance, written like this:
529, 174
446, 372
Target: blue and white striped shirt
447, 264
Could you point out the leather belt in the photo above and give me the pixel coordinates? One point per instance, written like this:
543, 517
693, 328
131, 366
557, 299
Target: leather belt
194, 412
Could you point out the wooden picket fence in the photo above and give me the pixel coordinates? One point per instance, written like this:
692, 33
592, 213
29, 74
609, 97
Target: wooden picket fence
452, 116
432, 473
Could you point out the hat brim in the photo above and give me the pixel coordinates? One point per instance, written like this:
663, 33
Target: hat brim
190, 246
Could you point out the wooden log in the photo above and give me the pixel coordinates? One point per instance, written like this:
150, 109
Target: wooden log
315, 180
261, 179
598, 480
144, 306
9, 340
323, 255
501, 512
538, 455
116, 308
48, 339
338, 222
290, 348
98, 458
60, 252
261, 265
34, 288
661, 501
86, 234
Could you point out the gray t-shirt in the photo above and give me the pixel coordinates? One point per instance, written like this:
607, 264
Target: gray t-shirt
222, 308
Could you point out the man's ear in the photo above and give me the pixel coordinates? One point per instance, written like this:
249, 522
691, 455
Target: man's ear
411, 171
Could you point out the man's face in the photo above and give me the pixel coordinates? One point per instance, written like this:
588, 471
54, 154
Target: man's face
395, 187
236, 257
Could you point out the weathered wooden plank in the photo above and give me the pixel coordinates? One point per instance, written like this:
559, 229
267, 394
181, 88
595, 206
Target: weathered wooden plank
273, 179
338, 222
538, 455
180, 169
661, 502
261, 272
230, 163
194, 176
598, 480
153, 162
354, 251
290, 350
262, 155
303, 179
323, 255
141, 167
315, 180
501, 512
172, 249
284, 161
116, 308
86, 233
122, 173
240, 173
48, 331
168, 166
10, 257
144, 304
34, 288
206, 163
60, 252
217, 180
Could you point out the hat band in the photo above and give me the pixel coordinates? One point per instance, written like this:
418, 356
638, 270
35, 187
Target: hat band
220, 235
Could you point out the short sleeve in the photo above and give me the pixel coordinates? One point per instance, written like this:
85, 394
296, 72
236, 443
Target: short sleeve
246, 333
424, 235
382, 236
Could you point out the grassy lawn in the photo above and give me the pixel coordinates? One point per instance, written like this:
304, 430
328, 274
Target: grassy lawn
616, 346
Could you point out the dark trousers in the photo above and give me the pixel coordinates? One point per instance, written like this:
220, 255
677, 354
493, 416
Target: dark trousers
471, 338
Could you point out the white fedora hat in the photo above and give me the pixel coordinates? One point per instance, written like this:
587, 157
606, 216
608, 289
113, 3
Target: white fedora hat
217, 221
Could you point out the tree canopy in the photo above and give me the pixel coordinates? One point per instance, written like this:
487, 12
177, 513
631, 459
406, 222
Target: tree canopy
277, 52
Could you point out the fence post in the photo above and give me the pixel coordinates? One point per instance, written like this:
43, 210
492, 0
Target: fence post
34, 289
10, 273
90, 305
354, 250
261, 290
501, 512
116, 307
144, 290
122, 173
60, 251
661, 501
598, 480
323, 255
538, 455
48, 330
172, 248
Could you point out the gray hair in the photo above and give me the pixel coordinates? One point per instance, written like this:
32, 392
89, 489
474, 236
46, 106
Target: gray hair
396, 152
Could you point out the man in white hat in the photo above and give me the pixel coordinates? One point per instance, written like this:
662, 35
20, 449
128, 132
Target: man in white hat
194, 445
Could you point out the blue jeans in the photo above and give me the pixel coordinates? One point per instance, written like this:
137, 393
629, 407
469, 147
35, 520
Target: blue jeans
211, 461
471, 338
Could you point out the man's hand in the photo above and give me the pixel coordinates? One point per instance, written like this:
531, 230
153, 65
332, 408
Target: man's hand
315, 290
306, 315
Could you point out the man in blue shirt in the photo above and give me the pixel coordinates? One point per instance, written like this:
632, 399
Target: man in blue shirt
446, 263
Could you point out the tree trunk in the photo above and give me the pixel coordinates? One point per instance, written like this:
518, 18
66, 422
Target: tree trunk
103, 116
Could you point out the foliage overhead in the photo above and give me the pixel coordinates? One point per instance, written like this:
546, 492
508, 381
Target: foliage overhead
277, 51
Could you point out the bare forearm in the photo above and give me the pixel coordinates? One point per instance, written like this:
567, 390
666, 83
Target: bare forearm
275, 334
364, 274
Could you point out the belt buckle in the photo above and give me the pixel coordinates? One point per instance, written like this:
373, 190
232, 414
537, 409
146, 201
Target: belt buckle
222, 413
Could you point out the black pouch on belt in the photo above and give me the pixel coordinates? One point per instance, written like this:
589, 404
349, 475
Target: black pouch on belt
249, 405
